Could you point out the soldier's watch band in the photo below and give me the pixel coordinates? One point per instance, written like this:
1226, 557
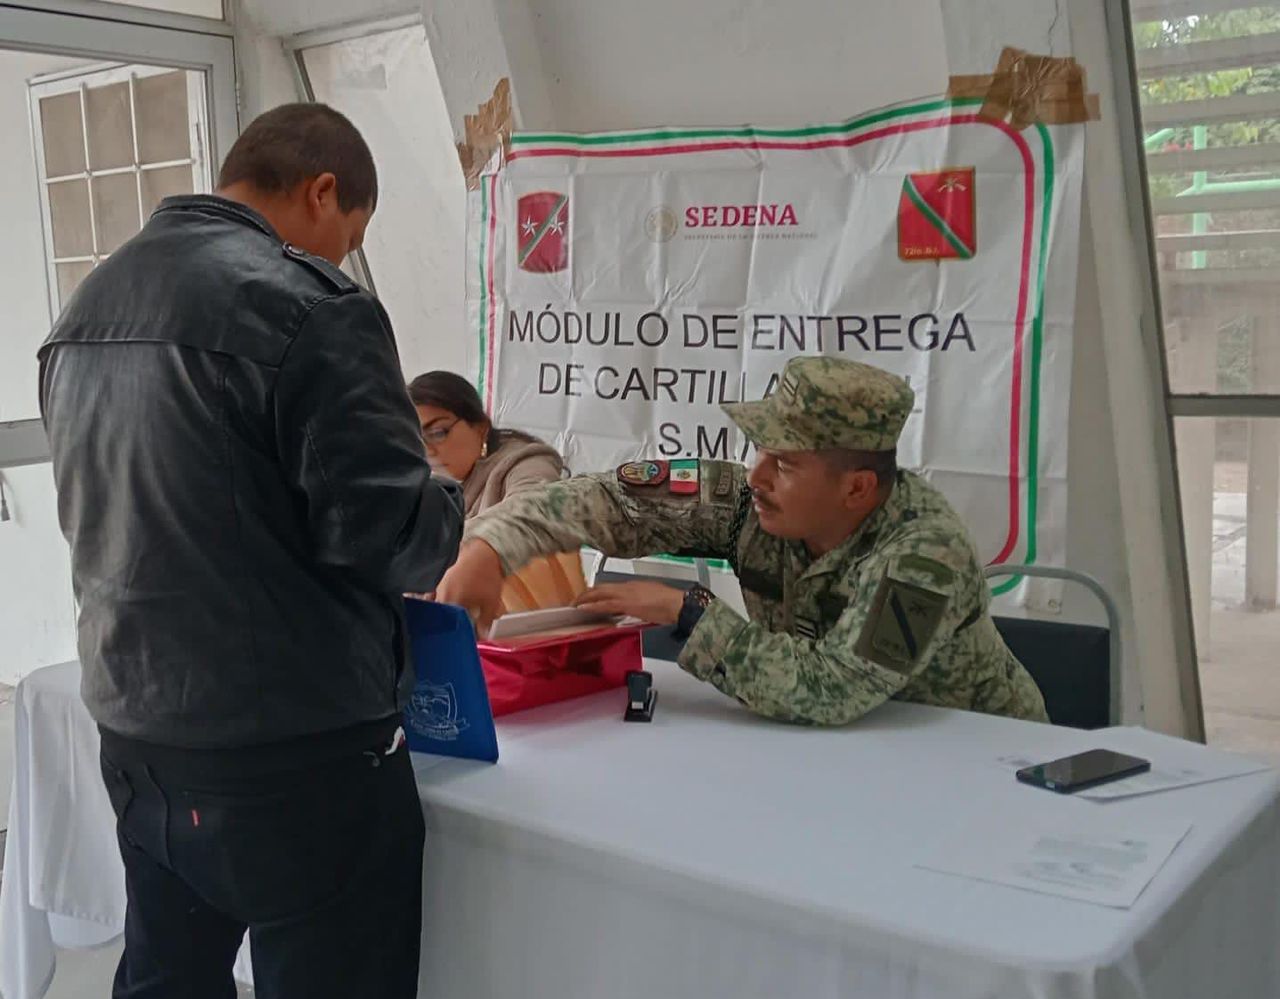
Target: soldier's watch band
696, 601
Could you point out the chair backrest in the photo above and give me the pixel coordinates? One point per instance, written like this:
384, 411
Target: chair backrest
1076, 666
1070, 663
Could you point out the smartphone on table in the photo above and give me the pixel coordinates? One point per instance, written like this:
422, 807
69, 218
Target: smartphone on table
1083, 770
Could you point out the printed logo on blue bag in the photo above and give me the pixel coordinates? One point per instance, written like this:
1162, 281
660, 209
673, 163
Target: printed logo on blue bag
433, 712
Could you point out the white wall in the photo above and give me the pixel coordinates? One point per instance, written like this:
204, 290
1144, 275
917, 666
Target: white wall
719, 62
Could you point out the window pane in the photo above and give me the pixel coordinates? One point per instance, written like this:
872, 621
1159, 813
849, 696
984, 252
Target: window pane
115, 210
1230, 472
63, 134
387, 84
163, 122
164, 183
106, 112
69, 278
69, 215
28, 241
1210, 98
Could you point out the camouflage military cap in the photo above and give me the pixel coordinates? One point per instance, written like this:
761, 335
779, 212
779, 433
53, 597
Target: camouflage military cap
826, 402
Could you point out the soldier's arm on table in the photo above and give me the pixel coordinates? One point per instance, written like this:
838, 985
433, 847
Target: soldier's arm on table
863, 660
620, 520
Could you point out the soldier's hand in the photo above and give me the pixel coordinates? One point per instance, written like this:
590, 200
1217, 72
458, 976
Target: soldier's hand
474, 583
656, 603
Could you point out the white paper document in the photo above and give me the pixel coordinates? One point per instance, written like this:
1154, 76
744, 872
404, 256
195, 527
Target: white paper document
1218, 766
546, 619
1110, 866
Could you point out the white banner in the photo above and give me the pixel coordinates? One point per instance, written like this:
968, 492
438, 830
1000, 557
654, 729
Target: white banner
622, 285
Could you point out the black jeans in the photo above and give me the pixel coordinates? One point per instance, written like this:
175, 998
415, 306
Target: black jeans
314, 847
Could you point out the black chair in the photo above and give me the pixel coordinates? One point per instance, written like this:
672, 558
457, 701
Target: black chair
1076, 666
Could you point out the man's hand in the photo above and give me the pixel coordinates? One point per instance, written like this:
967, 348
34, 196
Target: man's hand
474, 583
656, 603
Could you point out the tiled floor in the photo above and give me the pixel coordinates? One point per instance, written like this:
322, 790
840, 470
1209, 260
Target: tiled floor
1240, 682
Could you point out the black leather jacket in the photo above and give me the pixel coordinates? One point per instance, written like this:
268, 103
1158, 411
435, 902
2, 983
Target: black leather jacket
242, 482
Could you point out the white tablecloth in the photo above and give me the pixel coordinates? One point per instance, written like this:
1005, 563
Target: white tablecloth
710, 854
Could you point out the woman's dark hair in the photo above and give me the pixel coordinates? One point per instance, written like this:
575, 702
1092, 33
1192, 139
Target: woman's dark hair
445, 390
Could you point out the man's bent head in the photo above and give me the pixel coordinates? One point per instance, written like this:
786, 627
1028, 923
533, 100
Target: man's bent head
309, 172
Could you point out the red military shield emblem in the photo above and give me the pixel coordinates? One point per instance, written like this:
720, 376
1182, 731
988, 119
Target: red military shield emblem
937, 219
542, 232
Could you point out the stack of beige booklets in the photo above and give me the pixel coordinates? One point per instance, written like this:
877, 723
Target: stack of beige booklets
537, 602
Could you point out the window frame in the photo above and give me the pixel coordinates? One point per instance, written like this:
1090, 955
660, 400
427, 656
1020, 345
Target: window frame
78, 81
106, 10
108, 32
296, 47
1176, 404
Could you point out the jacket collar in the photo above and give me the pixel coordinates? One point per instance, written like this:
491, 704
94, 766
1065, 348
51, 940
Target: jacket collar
212, 204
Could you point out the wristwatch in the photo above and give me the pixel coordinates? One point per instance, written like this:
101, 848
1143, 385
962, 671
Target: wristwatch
696, 600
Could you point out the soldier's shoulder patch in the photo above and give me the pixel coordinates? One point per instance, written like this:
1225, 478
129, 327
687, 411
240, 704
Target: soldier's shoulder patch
905, 614
643, 473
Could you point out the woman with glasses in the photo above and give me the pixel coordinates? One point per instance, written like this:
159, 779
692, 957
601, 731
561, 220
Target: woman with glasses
462, 442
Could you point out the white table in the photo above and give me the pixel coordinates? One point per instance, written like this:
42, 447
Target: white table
712, 854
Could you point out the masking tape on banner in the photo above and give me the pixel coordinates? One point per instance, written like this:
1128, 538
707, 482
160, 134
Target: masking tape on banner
485, 133
1028, 89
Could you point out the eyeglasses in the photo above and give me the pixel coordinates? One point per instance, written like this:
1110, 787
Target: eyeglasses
437, 435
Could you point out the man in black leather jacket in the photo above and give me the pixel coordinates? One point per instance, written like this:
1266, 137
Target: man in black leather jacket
242, 482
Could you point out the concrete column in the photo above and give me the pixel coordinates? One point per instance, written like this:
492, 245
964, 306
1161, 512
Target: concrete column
1192, 353
474, 44
1262, 538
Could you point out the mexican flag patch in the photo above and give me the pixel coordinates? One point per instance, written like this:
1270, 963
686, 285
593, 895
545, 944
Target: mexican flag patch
684, 477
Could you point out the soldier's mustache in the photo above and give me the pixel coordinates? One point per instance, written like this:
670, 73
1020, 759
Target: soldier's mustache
758, 496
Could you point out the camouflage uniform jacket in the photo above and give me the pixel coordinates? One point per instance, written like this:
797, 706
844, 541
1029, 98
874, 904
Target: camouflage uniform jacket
899, 610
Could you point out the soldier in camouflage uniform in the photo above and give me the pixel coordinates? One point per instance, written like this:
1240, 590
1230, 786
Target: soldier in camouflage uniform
860, 582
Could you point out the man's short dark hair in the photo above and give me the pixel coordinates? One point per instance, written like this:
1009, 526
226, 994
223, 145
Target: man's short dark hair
883, 463
295, 142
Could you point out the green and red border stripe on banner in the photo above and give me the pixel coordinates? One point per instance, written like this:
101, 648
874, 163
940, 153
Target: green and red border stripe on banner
667, 142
